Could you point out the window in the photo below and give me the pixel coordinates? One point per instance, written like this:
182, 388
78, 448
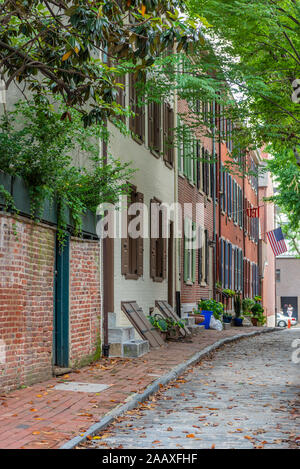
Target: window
277, 275
168, 130
158, 245
189, 252
200, 256
206, 240
154, 127
205, 171
221, 267
180, 148
198, 164
136, 122
212, 179
132, 249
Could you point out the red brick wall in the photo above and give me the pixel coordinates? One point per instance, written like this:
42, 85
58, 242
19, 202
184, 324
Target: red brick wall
84, 300
27, 259
188, 193
26, 301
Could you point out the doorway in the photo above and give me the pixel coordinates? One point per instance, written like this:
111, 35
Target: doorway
170, 265
61, 305
289, 300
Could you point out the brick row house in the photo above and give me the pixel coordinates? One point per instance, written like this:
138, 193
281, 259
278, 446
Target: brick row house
97, 276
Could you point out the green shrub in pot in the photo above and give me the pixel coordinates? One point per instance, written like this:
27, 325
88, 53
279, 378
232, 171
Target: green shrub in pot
212, 305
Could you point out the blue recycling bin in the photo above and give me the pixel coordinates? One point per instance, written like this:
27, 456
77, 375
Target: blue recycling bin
207, 315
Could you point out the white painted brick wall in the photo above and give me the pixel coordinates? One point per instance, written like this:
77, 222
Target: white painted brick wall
153, 179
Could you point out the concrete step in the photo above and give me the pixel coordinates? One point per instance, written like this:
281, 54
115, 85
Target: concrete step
118, 335
135, 348
112, 319
196, 329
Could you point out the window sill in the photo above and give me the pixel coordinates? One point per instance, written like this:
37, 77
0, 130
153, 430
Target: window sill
180, 174
157, 279
137, 139
189, 283
131, 276
155, 153
168, 165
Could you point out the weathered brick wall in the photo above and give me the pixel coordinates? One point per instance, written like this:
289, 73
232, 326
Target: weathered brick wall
84, 300
26, 301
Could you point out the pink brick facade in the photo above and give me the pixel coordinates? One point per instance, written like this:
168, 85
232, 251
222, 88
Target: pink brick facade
27, 270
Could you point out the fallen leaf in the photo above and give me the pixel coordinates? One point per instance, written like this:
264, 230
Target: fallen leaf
190, 435
66, 55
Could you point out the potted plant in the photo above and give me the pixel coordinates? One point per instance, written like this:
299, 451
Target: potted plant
258, 317
229, 293
238, 320
209, 308
227, 318
173, 328
247, 304
159, 323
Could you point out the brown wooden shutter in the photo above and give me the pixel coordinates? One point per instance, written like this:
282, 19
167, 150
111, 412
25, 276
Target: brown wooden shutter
152, 248
157, 126
165, 131
164, 258
151, 117
170, 136
125, 242
132, 99
140, 243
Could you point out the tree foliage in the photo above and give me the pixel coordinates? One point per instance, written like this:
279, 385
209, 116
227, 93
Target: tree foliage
37, 145
254, 48
57, 45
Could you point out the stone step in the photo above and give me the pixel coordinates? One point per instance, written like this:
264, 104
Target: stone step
135, 348
118, 335
196, 329
112, 319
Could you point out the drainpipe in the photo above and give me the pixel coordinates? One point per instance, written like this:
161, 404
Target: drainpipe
214, 202
176, 241
107, 279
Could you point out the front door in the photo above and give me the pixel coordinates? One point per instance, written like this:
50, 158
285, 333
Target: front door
61, 316
170, 266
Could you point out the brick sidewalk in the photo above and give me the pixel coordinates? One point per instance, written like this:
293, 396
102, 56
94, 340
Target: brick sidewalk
40, 416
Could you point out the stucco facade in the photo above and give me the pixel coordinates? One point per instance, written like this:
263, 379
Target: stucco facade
288, 283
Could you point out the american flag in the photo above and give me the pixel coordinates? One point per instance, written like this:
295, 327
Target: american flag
277, 242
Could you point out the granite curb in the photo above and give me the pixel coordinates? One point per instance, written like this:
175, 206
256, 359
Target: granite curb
155, 386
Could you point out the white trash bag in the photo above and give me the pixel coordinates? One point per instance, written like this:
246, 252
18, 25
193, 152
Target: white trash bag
215, 324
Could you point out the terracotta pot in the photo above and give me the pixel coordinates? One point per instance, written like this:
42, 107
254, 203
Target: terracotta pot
163, 335
199, 318
254, 321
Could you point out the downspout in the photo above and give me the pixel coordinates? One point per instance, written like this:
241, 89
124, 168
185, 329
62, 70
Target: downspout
214, 202
243, 225
107, 279
176, 240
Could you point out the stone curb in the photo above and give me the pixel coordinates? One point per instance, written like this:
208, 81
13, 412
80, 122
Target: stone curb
155, 386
